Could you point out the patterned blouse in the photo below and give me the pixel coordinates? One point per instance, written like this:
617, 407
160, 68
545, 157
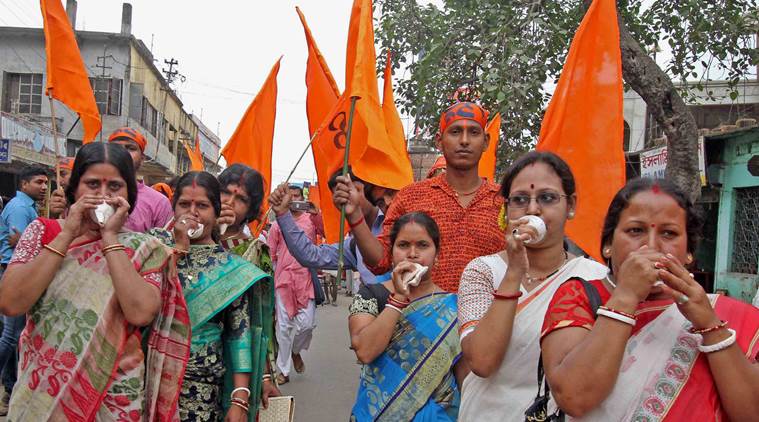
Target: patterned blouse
370, 299
465, 232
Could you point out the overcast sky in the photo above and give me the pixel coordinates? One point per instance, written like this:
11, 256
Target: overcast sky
225, 50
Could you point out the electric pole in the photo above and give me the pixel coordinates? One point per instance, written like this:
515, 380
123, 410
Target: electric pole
170, 73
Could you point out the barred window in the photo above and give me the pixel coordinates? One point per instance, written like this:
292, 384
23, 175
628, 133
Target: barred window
107, 95
23, 93
746, 231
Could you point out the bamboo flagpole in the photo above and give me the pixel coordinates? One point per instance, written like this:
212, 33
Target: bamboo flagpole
57, 151
340, 248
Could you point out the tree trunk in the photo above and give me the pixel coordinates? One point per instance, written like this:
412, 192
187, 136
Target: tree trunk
665, 104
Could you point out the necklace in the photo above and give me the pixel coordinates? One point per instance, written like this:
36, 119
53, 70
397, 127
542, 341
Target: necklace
459, 194
531, 279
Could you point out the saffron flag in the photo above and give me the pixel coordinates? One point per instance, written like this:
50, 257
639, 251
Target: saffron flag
196, 157
251, 143
322, 96
486, 167
584, 122
67, 79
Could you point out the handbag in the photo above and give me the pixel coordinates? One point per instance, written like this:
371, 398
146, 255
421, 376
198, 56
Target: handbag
538, 410
281, 409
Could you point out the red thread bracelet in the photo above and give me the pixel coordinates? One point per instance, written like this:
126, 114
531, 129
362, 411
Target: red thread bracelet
512, 296
694, 330
354, 225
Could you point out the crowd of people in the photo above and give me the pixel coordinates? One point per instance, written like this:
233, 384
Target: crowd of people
132, 303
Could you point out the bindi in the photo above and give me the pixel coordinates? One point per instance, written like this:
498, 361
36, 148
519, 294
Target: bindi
653, 226
656, 189
194, 183
532, 186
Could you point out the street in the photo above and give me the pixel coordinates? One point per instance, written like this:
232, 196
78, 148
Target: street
327, 389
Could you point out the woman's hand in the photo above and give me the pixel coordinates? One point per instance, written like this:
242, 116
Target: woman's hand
236, 414
227, 215
400, 272
268, 389
690, 297
516, 252
636, 276
78, 221
181, 225
119, 217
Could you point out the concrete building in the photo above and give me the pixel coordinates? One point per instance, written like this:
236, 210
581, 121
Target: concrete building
129, 89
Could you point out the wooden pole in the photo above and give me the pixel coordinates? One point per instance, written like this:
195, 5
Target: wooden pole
340, 248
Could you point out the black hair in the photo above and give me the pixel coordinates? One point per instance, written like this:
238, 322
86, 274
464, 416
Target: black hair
206, 181
559, 166
29, 173
420, 218
332, 182
103, 153
173, 183
296, 187
248, 179
693, 219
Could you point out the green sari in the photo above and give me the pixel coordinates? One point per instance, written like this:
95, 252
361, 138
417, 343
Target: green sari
218, 287
262, 311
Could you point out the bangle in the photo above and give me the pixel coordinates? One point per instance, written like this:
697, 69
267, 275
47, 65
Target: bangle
266, 377
391, 306
722, 345
354, 225
631, 316
245, 408
397, 303
694, 330
55, 251
181, 251
616, 316
510, 296
114, 247
105, 251
231, 395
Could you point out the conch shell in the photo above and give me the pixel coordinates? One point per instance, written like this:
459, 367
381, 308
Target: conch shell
102, 213
413, 278
195, 233
538, 224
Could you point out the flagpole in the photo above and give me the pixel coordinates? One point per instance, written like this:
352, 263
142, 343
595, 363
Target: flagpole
301, 157
57, 152
340, 248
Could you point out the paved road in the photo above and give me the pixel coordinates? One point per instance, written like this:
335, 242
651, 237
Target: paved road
326, 391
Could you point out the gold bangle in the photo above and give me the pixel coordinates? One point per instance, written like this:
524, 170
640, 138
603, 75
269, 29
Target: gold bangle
105, 252
55, 251
114, 246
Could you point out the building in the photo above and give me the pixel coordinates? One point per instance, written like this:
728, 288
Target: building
129, 89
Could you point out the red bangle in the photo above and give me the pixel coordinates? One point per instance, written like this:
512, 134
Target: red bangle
354, 225
629, 315
397, 303
512, 296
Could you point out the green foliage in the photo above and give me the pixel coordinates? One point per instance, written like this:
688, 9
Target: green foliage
506, 51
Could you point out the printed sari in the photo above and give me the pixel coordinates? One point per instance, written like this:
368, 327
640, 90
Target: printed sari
413, 379
261, 309
79, 359
663, 376
216, 285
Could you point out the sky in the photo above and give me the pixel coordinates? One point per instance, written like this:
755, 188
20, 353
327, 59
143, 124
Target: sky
225, 50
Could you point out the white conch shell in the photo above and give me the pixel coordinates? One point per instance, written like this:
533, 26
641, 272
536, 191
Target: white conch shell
195, 233
223, 228
413, 278
102, 213
538, 224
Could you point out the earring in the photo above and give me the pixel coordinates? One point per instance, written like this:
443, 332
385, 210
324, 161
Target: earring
607, 252
689, 258
571, 215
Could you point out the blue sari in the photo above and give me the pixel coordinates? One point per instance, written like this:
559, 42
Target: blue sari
413, 379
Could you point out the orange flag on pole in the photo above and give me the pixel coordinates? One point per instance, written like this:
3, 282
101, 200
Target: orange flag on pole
584, 121
251, 144
322, 95
486, 167
67, 79
196, 157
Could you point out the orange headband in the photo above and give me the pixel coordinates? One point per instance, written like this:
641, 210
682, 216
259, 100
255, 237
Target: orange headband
463, 111
164, 189
439, 164
66, 163
130, 134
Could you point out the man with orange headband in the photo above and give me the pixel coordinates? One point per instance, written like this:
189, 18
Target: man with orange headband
58, 202
464, 205
152, 208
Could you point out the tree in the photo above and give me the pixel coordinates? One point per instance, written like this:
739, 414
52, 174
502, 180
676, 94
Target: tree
506, 51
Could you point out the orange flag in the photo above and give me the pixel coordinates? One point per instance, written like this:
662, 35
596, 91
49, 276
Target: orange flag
196, 157
322, 95
251, 144
67, 79
486, 167
584, 123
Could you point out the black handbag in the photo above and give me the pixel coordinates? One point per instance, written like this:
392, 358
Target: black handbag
538, 410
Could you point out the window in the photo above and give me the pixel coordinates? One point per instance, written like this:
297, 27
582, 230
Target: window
746, 231
149, 119
23, 93
107, 95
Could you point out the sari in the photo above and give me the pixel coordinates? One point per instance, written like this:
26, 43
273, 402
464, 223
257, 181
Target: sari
79, 359
507, 393
261, 311
413, 379
663, 376
216, 285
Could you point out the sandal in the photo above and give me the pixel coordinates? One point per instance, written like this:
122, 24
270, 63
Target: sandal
282, 379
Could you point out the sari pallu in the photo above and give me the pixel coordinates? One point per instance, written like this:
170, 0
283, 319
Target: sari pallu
80, 360
261, 310
413, 379
663, 376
